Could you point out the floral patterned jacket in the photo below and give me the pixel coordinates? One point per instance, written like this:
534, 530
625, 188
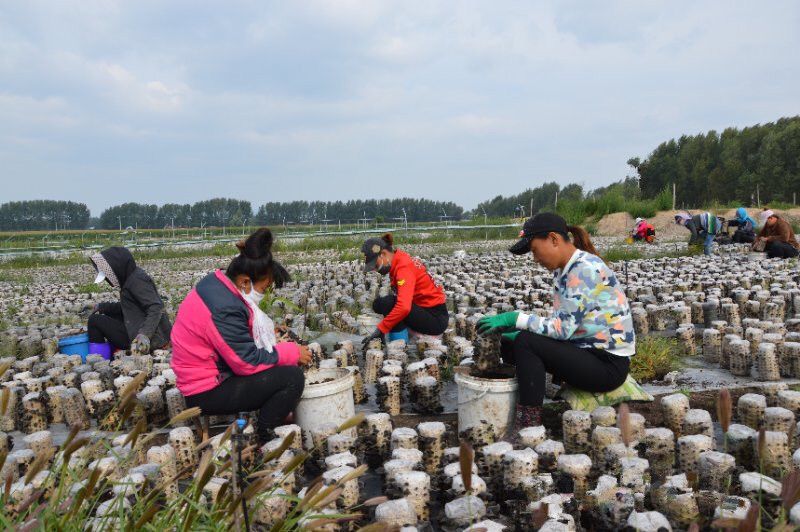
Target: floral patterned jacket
590, 308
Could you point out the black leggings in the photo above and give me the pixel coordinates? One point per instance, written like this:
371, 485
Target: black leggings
592, 370
273, 392
743, 237
102, 328
424, 320
781, 250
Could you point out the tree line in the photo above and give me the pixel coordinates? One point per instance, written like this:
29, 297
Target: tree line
37, 215
353, 211
757, 164
217, 212
221, 212
749, 166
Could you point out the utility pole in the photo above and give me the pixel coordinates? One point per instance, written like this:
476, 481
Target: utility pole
173, 227
531, 209
555, 206
758, 195
120, 222
673, 195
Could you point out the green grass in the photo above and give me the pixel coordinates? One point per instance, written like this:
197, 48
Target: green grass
655, 357
617, 254
90, 288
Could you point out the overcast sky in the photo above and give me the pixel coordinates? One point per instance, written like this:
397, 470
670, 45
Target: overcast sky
177, 101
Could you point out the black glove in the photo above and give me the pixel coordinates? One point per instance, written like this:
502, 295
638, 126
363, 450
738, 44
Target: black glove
375, 334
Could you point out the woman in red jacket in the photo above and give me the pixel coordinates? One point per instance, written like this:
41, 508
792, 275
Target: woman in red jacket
417, 302
225, 355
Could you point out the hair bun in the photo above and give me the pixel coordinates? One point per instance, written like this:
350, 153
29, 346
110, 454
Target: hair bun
388, 238
258, 245
240, 245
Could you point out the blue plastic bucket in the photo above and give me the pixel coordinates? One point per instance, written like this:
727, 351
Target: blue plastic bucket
75, 345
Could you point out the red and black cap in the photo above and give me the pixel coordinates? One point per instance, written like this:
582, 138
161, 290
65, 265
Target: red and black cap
371, 249
539, 225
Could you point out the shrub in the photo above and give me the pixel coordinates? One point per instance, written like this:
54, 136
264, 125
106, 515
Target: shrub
621, 253
655, 357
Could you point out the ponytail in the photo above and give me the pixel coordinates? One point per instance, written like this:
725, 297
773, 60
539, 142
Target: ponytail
389, 239
581, 240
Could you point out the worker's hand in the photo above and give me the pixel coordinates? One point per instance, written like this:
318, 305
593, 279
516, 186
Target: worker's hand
505, 322
375, 334
510, 336
140, 345
305, 356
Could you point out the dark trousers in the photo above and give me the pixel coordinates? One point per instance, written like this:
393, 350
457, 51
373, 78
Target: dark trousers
424, 320
741, 236
102, 328
780, 250
592, 370
274, 393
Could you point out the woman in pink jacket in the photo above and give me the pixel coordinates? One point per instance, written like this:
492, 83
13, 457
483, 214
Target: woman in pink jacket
225, 355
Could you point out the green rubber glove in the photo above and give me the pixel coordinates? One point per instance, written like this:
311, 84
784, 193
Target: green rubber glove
510, 336
505, 322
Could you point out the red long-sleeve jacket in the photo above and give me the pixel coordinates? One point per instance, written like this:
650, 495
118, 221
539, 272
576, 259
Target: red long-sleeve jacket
414, 285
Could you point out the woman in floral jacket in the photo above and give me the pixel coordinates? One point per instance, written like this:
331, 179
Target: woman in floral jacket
588, 340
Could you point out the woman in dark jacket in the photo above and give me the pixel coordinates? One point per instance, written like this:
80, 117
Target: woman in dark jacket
138, 321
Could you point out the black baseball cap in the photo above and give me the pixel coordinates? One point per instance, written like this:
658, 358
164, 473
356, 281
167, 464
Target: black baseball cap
539, 225
371, 249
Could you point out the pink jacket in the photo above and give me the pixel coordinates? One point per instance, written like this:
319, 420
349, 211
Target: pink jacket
212, 338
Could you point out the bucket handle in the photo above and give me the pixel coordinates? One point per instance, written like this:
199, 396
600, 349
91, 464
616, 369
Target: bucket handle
479, 396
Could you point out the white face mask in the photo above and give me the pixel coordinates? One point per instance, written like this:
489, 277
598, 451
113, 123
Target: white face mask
253, 295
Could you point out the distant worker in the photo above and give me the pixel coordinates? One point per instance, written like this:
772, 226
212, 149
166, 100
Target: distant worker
778, 236
417, 301
704, 227
745, 227
138, 320
643, 230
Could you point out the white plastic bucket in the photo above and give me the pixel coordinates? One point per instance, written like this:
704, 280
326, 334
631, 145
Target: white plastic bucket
490, 400
367, 322
326, 402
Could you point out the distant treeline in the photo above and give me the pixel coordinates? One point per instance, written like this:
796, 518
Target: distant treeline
761, 162
758, 164
385, 210
219, 212
43, 214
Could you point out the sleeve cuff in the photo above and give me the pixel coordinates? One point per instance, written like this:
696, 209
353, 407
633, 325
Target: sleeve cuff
522, 321
288, 353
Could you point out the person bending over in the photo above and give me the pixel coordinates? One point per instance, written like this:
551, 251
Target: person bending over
417, 302
225, 354
704, 227
643, 231
588, 340
778, 236
138, 320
